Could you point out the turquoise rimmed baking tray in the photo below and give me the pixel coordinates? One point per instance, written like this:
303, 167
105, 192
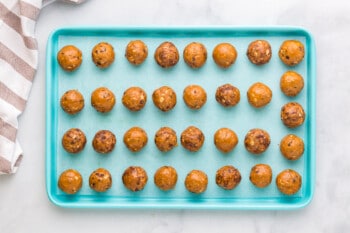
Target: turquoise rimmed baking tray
211, 117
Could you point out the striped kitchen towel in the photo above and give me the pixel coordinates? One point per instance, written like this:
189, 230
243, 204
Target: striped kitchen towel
18, 64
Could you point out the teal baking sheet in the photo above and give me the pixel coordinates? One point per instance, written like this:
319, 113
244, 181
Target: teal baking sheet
211, 117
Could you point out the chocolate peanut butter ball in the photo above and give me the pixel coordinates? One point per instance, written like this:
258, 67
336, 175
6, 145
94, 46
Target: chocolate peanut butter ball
72, 101
69, 58
289, 182
259, 52
165, 139
194, 96
103, 55
224, 55
103, 99
135, 178
292, 147
166, 55
259, 95
227, 95
291, 83
70, 181
165, 178
257, 141
261, 175
164, 98
136, 52
228, 177
225, 140
135, 139
195, 55
291, 52
192, 138
104, 141
196, 181
292, 115
100, 180
134, 98
74, 140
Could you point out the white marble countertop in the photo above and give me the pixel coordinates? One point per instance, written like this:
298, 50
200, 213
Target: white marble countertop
24, 206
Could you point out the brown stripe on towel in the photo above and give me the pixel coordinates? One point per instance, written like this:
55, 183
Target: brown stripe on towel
28, 10
17, 63
5, 165
7, 130
13, 21
12, 98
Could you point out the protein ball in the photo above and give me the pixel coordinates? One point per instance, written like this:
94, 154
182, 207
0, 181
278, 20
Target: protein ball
291, 83
103, 99
166, 55
261, 175
165, 139
165, 178
135, 139
69, 58
224, 55
192, 138
257, 141
196, 181
74, 140
194, 96
100, 180
288, 182
136, 52
292, 147
291, 52
195, 55
104, 141
164, 98
70, 181
135, 178
259, 95
134, 99
228, 177
103, 55
72, 101
259, 52
227, 95
292, 115
225, 140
